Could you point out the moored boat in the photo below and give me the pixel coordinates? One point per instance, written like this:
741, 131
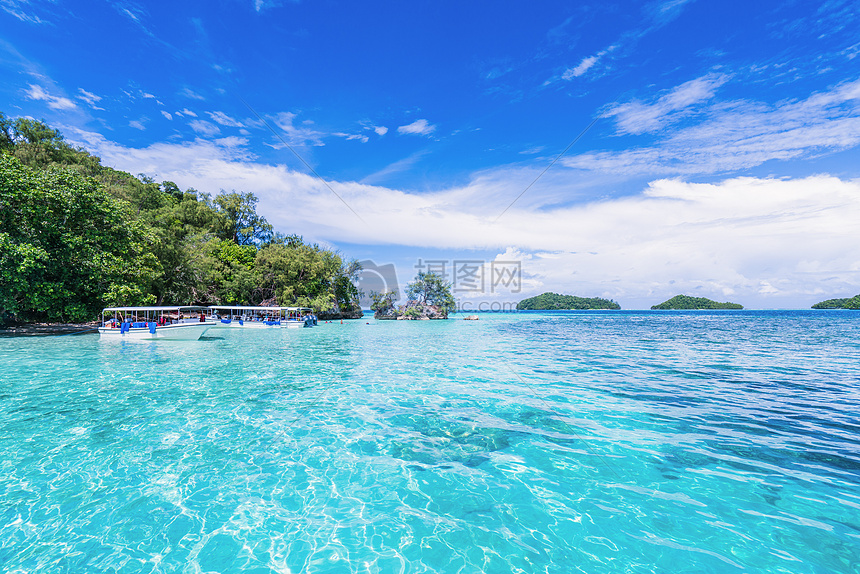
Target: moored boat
183, 323
239, 316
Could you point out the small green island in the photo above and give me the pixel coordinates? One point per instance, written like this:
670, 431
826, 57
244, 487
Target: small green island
687, 303
556, 302
847, 303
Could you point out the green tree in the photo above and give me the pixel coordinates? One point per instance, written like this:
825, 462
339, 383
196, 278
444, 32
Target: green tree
682, 302
66, 247
76, 235
555, 302
231, 271
845, 303
295, 273
239, 219
431, 289
383, 303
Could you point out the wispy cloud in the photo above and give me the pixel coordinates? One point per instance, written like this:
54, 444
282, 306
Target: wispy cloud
352, 137
22, 10
380, 130
586, 64
189, 93
298, 135
637, 117
418, 127
36, 92
261, 5
166, 115
733, 135
225, 120
664, 11
204, 128
186, 112
399, 166
90, 98
657, 15
137, 124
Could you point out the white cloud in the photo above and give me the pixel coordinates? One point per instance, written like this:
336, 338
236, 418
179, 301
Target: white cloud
418, 127
188, 93
637, 117
22, 10
36, 92
260, 5
764, 242
225, 120
349, 137
394, 168
166, 115
88, 97
205, 128
533, 150
186, 112
380, 130
147, 96
297, 135
586, 64
137, 124
735, 135
580, 68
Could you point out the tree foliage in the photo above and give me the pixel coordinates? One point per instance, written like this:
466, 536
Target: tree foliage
295, 273
66, 246
685, 302
846, 303
76, 236
431, 289
556, 302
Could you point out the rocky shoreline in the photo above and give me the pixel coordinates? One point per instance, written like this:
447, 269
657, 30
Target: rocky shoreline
413, 311
47, 329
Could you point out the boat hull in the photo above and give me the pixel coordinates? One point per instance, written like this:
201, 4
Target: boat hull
245, 325
179, 332
259, 325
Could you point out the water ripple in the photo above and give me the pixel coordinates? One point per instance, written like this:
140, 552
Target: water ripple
581, 442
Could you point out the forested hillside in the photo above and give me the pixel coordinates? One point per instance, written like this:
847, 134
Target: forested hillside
845, 303
76, 236
556, 302
685, 302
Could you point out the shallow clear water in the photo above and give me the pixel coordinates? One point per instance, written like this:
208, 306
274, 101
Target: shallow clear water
581, 442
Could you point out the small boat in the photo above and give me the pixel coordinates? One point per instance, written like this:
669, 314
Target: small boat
183, 323
237, 316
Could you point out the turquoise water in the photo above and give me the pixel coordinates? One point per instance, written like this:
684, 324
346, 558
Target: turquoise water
581, 442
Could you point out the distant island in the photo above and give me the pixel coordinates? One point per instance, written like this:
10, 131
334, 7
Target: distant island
847, 303
556, 302
686, 302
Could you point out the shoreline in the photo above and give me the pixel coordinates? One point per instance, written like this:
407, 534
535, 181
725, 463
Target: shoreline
48, 329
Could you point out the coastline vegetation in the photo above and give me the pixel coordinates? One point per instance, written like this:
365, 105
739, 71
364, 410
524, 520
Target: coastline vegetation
556, 302
428, 297
846, 303
685, 302
77, 236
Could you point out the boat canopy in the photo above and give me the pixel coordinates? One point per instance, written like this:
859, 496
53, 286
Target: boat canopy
250, 308
144, 309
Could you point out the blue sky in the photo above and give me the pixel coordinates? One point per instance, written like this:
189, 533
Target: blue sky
723, 161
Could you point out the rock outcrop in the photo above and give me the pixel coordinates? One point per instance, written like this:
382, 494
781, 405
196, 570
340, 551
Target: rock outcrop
413, 311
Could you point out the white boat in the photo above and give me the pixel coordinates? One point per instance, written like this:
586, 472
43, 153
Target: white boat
184, 323
238, 316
